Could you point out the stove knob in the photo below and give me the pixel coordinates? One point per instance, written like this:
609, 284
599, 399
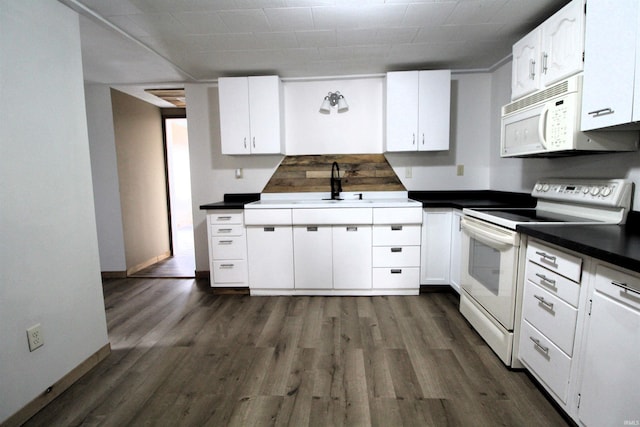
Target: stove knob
595, 191
606, 191
545, 187
538, 187
585, 189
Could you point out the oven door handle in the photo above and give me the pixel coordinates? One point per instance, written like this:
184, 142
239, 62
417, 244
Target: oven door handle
487, 235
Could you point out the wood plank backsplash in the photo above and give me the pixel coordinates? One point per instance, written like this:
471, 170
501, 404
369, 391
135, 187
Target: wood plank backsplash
359, 172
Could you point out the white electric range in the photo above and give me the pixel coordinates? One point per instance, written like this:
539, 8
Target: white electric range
493, 257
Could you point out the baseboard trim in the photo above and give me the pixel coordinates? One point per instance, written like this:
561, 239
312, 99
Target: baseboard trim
425, 289
147, 263
57, 388
113, 274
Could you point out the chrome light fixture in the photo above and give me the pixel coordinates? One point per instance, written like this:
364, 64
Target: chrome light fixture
333, 99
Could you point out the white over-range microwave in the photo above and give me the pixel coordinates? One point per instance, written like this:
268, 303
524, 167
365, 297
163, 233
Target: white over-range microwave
547, 124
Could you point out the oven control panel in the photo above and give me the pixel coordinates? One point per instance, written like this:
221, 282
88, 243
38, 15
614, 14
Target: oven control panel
602, 192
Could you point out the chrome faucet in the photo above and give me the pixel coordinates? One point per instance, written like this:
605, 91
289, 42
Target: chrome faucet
336, 182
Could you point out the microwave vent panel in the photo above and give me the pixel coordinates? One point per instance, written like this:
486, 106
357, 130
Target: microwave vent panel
540, 96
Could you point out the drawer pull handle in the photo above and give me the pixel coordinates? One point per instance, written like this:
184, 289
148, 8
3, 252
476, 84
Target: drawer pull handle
625, 287
540, 346
396, 249
546, 256
225, 242
312, 228
226, 265
600, 112
224, 218
352, 228
224, 230
543, 301
396, 271
546, 279
396, 228
269, 229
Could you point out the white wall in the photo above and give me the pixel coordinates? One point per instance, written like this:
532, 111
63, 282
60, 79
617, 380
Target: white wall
49, 262
520, 175
359, 130
469, 142
104, 168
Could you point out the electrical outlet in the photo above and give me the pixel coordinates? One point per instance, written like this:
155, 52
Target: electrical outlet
408, 172
35, 338
460, 170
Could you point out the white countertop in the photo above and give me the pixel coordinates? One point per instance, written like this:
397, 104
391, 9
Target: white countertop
373, 199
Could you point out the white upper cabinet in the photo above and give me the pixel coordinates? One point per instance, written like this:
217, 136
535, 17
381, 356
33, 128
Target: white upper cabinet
549, 53
418, 110
610, 61
251, 115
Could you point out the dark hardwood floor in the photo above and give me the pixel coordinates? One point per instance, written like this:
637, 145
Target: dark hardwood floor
182, 356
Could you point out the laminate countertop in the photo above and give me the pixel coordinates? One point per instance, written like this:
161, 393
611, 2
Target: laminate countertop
615, 244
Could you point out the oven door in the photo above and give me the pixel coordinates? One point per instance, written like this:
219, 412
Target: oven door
490, 268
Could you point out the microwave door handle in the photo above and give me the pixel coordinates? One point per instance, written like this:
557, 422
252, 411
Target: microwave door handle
542, 125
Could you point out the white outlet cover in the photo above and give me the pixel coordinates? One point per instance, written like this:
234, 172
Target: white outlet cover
34, 336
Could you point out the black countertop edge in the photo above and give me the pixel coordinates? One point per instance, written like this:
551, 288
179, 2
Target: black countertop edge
233, 201
615, 244
461, 199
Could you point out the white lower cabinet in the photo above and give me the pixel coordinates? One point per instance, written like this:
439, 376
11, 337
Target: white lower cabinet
313, 257
436, 247
352, 257
456, 250
270, 250
227, 248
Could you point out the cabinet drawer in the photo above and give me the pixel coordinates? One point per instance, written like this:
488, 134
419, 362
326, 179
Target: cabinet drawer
396, 278
229, 271
227, 230
569, 266
397, 215
551, 316
226, 217
229, 247
558, 285
546, 360
267, 216
401, 235
396, 256
332, 216
618, 285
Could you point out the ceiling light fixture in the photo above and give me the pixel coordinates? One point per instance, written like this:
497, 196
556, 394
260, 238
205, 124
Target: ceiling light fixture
333, 99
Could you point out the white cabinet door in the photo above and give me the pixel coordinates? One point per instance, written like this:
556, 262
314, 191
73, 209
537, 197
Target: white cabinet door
402, 110
524, 75
434, 110
270, 257
610, 59
352, 257
456, 250
562, 43
233, 96
436, 247
313, 257
265, 114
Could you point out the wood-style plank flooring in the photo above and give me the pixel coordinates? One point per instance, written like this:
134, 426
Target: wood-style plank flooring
183, 356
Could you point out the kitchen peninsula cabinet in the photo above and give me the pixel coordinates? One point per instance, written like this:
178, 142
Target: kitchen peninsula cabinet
251, 115
227, 248
550, 52
611, 93
418, 110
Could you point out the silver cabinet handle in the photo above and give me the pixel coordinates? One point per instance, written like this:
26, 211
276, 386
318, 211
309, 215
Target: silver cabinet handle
414, 139
396, 271
396, 228
625, 287
224, 218
396, 250
225, 242
352, 228
546, 279
254, 142
543, 301
546, 256
227, 265
312, 228
245, 142
224, 230
540, 346
269, 229
423, 139
601, 112
532, 69
544, 62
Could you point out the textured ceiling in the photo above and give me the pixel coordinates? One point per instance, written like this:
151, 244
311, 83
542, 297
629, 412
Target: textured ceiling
142, 41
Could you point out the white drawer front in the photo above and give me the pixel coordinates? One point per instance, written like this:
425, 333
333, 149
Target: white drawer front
390, 235
229, 247
396, 278
397, 215
618, 285
225, 217
396, 256
558, 285
267, 216
332, 216
229, 271
547, 361
227, 230
556, 260
551, 316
